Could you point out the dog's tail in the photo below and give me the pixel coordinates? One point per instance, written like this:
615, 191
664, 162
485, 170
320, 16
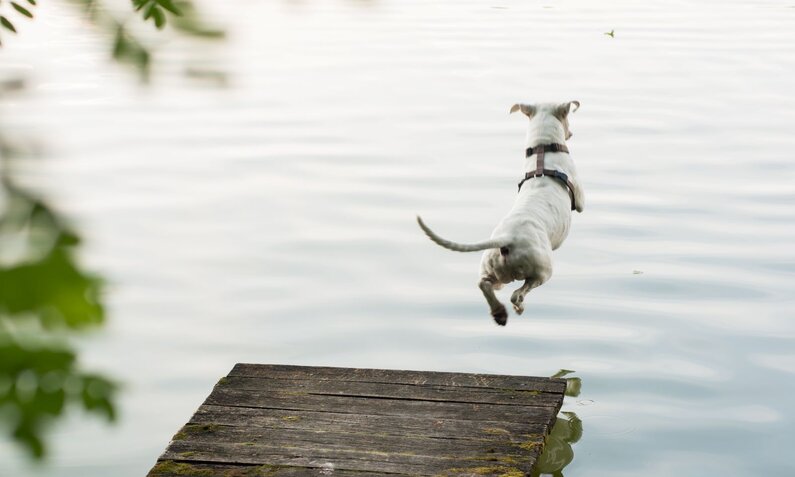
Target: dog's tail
462, 247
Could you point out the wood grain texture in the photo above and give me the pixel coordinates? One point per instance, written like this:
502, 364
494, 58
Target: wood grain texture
293, 420
390, 376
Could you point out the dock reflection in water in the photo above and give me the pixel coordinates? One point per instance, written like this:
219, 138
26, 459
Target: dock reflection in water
558, 451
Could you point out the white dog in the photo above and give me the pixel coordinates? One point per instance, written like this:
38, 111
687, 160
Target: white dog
521, 246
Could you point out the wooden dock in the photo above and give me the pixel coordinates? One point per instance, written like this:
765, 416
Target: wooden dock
273, 420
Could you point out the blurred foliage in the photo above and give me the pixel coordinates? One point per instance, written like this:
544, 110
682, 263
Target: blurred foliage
37, 244
15, 8
128, 46
45, 294
156, 10
36, 385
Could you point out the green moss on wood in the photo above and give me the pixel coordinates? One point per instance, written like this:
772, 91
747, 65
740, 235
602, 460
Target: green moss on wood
499, 470
169, 467
202, 428
530, 445
513, 472
520, 392
495, 430
501, 459
530, 393
195, 429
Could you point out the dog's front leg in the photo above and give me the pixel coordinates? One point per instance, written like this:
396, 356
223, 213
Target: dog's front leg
498, 311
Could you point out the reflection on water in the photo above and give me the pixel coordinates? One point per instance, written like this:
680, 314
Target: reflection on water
558, 451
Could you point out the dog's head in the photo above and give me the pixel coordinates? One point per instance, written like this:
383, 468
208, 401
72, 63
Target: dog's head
543, 111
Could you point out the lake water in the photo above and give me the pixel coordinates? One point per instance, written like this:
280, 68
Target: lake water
273, 221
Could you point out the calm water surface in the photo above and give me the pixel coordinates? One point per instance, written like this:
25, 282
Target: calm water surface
273, 221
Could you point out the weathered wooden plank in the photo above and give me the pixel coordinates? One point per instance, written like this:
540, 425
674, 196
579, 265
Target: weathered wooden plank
391, 376
395, 391
339, 422
170, 468
379, 442
360, 460
380, 407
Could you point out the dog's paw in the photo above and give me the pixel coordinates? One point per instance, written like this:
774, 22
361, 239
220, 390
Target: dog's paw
518, 308
500, 316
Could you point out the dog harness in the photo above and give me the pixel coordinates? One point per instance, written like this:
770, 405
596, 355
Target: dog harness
540, 171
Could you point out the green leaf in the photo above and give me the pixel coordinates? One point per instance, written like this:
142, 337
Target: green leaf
21, 9
149, 11
118, 44
170, 6
32, 2
127, 49
160, 18
49, 282
199, 31
4, 21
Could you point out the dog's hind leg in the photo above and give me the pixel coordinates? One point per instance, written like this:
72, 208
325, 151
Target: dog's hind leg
517, 297
498, 310
544, 273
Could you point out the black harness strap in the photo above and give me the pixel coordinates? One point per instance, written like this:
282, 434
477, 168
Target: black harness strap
540, 171
547, 148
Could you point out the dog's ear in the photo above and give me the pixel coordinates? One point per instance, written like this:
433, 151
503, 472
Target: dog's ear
526, 109
565, 108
